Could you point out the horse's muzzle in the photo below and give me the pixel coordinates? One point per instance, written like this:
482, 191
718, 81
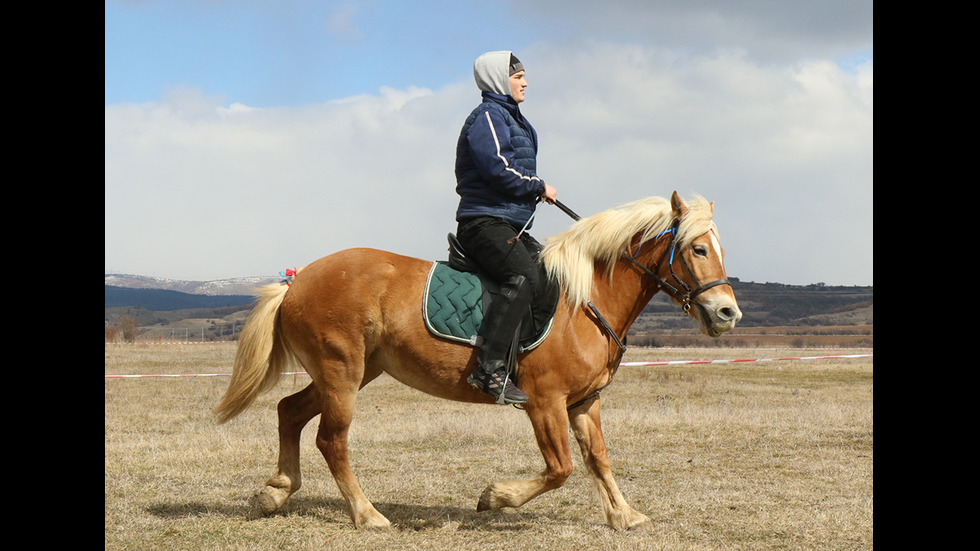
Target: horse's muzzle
717, 316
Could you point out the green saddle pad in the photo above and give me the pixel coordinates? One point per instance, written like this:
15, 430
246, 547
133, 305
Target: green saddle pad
453, 306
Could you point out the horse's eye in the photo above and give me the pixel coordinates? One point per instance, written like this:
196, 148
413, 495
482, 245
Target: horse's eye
700, 250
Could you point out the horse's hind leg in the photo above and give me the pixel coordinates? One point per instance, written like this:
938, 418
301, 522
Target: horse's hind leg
331, 439
588, 431
295, 411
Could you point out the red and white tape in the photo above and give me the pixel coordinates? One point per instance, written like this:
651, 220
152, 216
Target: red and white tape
692, 362
625, 364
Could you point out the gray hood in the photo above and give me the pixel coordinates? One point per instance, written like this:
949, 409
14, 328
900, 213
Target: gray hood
492, 72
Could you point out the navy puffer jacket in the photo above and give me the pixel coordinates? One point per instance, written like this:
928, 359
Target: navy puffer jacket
496, 163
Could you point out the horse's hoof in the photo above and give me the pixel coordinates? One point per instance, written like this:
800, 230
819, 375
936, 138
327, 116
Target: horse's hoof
644, 525
631, 521
372, 520
486, 499
263, 503
386, 525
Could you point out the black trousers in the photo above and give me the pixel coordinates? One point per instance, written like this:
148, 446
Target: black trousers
515, 266
486, 241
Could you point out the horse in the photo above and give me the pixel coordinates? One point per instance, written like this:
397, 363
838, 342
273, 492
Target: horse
355, 314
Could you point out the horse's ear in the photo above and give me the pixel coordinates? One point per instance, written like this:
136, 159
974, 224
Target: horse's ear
678, 205
712, 204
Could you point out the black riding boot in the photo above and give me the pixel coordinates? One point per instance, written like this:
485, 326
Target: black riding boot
500, 333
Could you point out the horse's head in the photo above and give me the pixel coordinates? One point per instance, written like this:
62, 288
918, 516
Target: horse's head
694, 273
685, 258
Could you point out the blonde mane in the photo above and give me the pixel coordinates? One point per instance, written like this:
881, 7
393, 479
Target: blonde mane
571, 257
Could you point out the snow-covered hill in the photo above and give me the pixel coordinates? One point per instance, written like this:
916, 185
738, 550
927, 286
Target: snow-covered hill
233, 286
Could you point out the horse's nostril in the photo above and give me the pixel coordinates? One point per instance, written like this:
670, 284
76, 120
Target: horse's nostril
728, 314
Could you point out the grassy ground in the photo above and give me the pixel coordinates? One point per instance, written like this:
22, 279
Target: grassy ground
758, 455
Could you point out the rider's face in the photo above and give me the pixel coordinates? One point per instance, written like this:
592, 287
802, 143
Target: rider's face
517, 86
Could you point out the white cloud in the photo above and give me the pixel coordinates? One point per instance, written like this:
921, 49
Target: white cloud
198, 190
774, 32
785, 150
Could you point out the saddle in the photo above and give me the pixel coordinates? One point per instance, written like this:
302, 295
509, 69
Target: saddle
458, 292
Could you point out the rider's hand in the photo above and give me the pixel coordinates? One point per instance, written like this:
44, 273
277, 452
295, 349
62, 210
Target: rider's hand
550, 194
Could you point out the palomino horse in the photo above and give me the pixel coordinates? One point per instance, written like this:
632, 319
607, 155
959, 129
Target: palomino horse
351, 316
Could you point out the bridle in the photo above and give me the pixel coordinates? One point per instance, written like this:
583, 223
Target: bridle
682, 292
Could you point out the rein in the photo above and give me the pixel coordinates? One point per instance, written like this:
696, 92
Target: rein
598, 315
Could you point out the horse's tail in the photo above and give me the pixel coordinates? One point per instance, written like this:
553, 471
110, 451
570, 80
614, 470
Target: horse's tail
261, 358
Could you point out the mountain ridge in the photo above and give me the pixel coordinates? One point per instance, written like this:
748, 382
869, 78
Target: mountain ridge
217, 287
761, 303
216, 310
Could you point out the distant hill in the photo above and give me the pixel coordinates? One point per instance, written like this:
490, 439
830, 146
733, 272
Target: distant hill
775, 304
216, 309
164, 300
233, 286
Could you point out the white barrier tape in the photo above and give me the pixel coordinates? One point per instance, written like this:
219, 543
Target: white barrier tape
185, 375
626, 364
144, 343
692, 362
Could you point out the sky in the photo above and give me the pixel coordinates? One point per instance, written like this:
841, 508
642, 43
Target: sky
246, 137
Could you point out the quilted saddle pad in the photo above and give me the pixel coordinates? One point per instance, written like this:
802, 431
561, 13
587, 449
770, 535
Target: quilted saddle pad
453, 306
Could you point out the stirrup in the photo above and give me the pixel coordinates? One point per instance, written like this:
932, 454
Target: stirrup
498, 386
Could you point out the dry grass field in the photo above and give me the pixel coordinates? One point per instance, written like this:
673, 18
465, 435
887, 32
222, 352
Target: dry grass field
756, 455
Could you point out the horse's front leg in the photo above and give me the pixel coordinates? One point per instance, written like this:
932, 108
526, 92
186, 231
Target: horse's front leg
588, 431
551, 431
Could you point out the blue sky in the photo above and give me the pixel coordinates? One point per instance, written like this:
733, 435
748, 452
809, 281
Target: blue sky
299, 52
246, 137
